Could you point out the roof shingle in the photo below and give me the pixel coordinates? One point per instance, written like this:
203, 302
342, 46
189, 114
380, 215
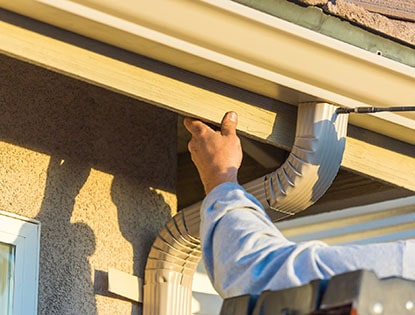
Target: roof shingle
375, 15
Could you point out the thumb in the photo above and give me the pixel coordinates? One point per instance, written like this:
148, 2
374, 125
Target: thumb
229, 123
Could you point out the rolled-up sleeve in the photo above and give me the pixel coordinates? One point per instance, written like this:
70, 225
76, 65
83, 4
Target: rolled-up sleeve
244, 253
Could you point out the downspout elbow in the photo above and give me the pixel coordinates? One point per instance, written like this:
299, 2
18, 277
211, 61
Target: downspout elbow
311, 166
300, 181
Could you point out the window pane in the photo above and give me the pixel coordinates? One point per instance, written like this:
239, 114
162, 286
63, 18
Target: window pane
7, 254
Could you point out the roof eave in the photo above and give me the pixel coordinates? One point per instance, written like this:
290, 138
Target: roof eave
246, 48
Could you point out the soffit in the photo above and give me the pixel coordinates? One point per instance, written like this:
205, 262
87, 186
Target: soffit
210, 38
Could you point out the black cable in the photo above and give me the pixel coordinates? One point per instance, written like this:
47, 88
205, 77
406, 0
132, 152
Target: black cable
366, 110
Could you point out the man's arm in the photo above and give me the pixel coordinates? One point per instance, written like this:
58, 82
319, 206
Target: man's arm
244, 253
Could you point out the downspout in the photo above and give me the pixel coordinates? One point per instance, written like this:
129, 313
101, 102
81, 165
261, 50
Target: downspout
310, 168
298, 183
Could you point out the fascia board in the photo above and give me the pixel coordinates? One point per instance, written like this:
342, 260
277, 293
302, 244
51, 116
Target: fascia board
244, 47
261, 118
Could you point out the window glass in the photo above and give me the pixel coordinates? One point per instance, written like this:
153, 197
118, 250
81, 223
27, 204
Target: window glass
7, 260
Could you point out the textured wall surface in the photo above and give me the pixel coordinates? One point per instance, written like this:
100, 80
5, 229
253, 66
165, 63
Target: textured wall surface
97, 169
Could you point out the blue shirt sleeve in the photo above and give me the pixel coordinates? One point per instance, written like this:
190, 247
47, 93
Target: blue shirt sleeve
244, 253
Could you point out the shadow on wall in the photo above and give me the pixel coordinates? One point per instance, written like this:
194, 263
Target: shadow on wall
83, 127
65, 281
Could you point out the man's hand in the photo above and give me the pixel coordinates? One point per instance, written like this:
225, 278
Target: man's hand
216, 154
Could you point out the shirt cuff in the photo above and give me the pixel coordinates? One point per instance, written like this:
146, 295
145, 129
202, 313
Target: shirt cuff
228, 196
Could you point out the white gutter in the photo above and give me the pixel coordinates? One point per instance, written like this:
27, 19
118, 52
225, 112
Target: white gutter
244, 47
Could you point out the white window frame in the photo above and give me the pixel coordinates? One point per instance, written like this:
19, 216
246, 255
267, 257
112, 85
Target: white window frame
24, 234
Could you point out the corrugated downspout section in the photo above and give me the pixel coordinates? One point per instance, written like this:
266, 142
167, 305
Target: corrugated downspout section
312, 165
171, 264
303, 178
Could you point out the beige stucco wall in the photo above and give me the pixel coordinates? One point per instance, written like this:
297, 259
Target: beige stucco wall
97, 169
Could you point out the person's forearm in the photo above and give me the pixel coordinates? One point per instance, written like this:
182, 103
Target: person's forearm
236, 234
245, 253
